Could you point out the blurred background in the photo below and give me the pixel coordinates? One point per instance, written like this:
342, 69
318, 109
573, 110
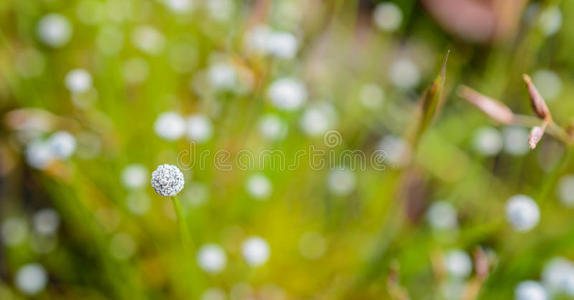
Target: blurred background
95, 94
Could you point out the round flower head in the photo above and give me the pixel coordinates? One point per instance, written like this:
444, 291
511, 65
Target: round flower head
488, 141
167, 180
62, 144
78, 81
387, 16
458, 263
515, 140
169, 126
442, 215
404, 74
211, 258
558, 276
31, 279
54, 30
287, 94
565, 190
522, 212
255, 251
530, 290
259, 186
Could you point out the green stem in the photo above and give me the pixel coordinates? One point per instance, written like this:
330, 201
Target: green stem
182, 223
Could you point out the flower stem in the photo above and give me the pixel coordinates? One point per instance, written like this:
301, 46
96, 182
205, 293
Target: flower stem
183, 228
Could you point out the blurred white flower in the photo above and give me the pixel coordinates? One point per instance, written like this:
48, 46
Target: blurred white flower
551, 20
134, 176
211, 258
487, 141
255, 251
135, 70
548, 84
169, 126
341, 181
442, 215
78, 81
46, 221
199, 128
213, 294
371, 96
54, 30
312, 245
404, 73
31, 279
387, 16
167, 180
287, 94
39, 154
62, 144
515, 140
458, 263
282, 45
179, 6
522, 212
122, 246
558, 276
396, 151
14, 231
259, 186
318, 118
222, 76
530, 290
148, 40
272, 127
565, 190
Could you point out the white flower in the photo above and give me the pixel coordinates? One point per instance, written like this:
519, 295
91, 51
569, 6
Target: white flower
371, 96
211, 258
404, 73
54, 30
199, 128
287, 94
14, 231
282, 44
515, 140
259, 186
148, 40
565, 190
222, 76
558, 276
46, 221
39, 154
78, 81
317, 119
522, 212
387, 16
341, 181
530, 290
458, 263
487, 141
256, 251
179, 6
548, 83
31, 279
551, 20
442, 215
134, 176
169, 126
62, 144
272, 127
167, 180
